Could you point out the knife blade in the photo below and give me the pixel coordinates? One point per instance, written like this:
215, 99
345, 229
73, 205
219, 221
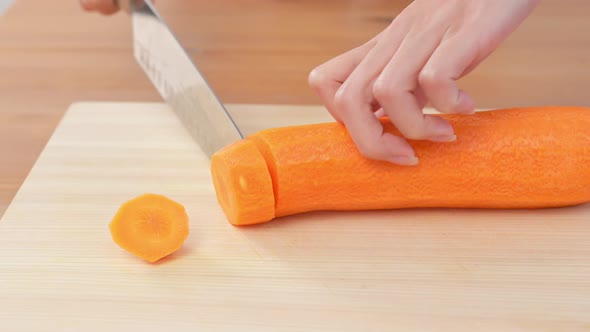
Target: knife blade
178, 80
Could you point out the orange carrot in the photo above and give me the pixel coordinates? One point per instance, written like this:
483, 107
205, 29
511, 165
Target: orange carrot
150, 226
244, 187
533, 157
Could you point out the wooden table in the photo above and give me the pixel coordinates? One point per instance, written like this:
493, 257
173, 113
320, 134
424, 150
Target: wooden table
53, 54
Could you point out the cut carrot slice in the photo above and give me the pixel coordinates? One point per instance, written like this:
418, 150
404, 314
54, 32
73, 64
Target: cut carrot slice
150, 226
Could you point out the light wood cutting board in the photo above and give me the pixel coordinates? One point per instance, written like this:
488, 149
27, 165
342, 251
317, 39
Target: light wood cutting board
407, 270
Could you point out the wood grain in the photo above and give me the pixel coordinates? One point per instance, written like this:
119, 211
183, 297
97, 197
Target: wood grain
53, 54
406, 270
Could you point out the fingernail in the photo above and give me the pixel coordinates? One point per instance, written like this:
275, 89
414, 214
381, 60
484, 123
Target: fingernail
380, 113
444, 138
468, 110
404, 160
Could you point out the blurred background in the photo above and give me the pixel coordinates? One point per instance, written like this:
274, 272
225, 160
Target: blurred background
53, 54
4, 4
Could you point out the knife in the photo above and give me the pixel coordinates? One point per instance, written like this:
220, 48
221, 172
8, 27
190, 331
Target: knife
178, 80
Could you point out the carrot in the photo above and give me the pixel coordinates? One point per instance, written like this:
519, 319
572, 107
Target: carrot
530, 157
244, 186
150, 226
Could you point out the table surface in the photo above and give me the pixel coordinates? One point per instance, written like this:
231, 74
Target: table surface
53, 54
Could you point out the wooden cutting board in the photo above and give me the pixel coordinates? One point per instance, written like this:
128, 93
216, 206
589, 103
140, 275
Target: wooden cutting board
407, 270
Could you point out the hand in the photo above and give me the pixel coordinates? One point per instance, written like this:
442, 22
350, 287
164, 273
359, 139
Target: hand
106, 7
415, 60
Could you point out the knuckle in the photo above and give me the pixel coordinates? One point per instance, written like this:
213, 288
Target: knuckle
316, 78
429, 78
381, 90
385, 91
437, 86
343, 99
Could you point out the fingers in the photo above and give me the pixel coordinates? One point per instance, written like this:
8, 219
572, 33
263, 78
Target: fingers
106, 7
451, 60
354, 104
397, 90
368, 134
327, 78
418, 58
364, 84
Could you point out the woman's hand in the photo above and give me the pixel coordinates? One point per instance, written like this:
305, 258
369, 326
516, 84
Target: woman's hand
415, 60
106, 7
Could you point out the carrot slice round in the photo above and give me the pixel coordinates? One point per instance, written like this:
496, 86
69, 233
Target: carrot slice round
150, 226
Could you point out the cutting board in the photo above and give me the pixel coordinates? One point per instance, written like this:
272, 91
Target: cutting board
401, 270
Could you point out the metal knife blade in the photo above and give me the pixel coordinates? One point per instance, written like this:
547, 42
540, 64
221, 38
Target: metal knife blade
178, 80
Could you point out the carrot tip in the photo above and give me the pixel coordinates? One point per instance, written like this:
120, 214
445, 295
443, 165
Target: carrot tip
243, 184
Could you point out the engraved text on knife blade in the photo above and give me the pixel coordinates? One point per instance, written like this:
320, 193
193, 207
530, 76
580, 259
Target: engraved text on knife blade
181, 85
